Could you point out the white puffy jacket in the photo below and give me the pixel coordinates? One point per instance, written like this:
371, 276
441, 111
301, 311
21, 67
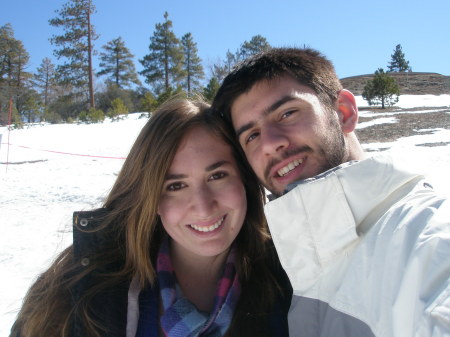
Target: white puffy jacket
366, 247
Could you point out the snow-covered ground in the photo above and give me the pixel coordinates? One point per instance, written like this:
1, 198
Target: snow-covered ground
54, 170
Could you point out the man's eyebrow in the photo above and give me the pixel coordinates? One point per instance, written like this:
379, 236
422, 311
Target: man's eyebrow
279, 103
244, 128
266, 112
209, 168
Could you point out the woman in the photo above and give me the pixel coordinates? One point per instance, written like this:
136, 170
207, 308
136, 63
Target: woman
179, 248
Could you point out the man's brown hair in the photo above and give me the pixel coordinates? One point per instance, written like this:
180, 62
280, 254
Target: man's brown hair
307, 66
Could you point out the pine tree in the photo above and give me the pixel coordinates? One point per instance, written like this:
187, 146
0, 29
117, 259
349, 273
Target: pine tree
382, 89
14, 79
398, 61
256, 44
45, 80
7, 47
13, 60
30, 106
75, 45
209, 92
148, 102
192, 64
118, 107
117, 63
163, 65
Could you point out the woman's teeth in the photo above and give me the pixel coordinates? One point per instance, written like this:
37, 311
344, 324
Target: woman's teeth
208, 228
289, 167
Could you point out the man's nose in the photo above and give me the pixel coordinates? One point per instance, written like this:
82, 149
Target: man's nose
273, 140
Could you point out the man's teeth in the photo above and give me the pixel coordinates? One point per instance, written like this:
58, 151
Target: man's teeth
289, 167
208, 228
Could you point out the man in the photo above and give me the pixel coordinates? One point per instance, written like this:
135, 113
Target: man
365, 242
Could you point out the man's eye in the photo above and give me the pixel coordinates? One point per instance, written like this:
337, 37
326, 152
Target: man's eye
251, 137
218, 175
175, 186
287, 114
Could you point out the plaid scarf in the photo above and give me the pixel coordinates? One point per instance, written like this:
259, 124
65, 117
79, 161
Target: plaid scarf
180, 317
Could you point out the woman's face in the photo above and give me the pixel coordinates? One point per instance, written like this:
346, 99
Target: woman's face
203, 202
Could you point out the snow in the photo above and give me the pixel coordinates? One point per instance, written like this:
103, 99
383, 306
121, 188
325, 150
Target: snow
54, 170
414, 101
384, 120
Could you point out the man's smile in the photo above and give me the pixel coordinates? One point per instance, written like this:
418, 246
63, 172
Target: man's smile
289, 167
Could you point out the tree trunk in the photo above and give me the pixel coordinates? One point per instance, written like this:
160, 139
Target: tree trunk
117, 68
91, 80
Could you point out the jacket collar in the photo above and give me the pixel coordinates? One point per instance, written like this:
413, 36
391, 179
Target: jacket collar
325, 216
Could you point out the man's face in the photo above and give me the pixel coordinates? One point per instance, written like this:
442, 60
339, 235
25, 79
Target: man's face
286, 133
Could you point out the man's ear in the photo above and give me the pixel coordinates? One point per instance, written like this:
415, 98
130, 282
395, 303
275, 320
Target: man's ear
347, 111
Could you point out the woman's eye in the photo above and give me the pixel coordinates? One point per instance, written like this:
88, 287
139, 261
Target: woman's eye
175, 186
218, 175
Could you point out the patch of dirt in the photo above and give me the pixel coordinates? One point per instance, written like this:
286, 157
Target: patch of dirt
408, 124
411, 83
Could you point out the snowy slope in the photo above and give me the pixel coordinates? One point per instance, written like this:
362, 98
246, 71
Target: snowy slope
54, 170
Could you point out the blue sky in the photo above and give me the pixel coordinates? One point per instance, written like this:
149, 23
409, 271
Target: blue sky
358, 36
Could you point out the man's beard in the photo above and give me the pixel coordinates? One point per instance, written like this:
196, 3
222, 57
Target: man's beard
332, 152
334, 149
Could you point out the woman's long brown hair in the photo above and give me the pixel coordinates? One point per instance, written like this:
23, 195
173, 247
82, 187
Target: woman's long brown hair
132, 212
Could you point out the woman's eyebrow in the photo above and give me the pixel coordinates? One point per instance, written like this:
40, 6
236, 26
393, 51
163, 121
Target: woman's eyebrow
175, 176
216, 165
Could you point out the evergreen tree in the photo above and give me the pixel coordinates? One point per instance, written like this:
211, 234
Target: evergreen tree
117, 63
256, 44
209, 92
111, 92
45, 80
163, 65
398, 61
75, 45
65, 106
118, 107
148, 102
14, 79
8, 45
169, 94
20, 63
192, 64
382, 89
30, 107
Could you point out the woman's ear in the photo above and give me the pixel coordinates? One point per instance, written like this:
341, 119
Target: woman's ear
347, 111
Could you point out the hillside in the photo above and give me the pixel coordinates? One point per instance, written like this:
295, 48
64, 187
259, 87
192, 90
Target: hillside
410, 83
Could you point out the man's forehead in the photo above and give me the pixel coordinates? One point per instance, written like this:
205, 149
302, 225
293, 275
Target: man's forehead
252, 97
266, 96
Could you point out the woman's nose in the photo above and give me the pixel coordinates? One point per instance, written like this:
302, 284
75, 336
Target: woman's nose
203, 201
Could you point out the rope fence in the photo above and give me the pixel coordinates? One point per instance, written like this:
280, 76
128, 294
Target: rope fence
64, 153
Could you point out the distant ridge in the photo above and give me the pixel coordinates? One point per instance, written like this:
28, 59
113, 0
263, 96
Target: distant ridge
410, 83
